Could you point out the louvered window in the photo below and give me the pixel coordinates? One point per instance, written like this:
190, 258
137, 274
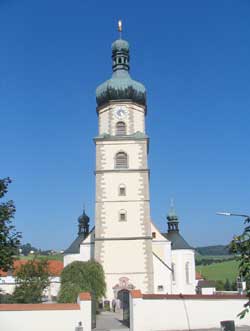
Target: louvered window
121, 160
120, 129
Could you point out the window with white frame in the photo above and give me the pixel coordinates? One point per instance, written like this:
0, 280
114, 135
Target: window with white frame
122, 215
121, 160
122, 190
120, 129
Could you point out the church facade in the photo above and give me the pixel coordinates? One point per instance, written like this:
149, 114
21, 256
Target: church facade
125, 241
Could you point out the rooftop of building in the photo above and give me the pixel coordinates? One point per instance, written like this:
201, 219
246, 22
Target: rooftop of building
55, 267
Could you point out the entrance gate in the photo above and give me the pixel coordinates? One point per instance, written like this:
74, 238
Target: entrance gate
93, 312
123, 296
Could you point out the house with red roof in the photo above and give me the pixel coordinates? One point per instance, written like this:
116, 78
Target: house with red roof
8, 279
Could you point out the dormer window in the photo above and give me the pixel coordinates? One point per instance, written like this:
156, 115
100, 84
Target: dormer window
121, 160
120, 129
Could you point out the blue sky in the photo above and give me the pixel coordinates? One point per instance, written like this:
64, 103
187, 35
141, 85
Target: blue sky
193, 57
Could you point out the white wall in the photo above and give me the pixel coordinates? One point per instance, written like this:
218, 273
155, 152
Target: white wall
208, 290
180, 257
184, 314
56, 317
8, 284
68, 258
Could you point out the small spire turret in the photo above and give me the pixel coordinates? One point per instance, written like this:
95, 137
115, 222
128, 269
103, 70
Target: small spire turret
83, 224
173, 220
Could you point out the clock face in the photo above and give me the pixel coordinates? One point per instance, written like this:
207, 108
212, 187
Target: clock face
120, 112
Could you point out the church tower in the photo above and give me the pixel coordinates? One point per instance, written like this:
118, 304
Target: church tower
123, 239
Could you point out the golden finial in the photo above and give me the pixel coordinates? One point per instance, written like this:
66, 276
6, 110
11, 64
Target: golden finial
120, 28
120, 25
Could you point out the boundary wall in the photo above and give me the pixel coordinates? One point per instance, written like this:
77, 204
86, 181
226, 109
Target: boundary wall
157, 312
49, 317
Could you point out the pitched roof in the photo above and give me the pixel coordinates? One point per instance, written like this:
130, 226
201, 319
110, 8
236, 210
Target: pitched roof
74, 248
55, 267
177, 241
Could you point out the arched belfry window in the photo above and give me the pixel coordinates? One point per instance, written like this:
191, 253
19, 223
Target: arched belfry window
121, 160
187, 271
120, 128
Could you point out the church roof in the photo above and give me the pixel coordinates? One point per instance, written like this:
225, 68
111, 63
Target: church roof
177, 241
74, 248
120, 86
55, 267
173, 234
83, 232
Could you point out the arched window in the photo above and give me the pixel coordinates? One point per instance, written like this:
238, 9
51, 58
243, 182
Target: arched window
121, 160
173, 272
122, 215
122, 190
120, 128
187, 271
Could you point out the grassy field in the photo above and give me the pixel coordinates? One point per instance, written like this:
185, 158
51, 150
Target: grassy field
214, 257
58, 257
219, 271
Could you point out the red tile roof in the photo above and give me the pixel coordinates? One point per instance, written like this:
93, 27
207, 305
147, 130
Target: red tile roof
136, 294
85, 296
39, 306
55, 267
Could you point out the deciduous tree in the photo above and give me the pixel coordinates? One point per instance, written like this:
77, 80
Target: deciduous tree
9, 237
240, 246
82, 276
32, 279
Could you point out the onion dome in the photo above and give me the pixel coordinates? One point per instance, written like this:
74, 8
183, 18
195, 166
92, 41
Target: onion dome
83, 231
173, 234
120, 86
83, 224
173, 221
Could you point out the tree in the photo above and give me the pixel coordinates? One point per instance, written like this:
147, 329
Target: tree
82, 276
32, 279
9, 237
240, 246
227, 285
219, 285
27, 248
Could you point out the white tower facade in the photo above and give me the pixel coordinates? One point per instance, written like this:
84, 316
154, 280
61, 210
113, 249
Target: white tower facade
123, 239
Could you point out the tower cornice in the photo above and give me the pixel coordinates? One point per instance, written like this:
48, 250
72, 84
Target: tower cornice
121, 102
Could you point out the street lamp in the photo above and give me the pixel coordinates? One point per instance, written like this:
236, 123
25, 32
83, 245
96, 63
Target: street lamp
247, 217
241, 284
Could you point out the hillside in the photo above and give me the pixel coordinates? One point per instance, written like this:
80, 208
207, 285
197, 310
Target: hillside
213, 250
220, 271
